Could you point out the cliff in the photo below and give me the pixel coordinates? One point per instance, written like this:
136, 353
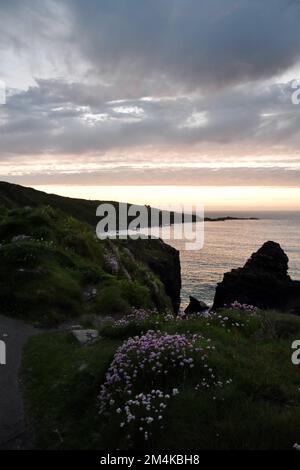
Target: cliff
53, 268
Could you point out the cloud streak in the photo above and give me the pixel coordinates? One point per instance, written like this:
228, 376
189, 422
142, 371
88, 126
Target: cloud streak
163, 81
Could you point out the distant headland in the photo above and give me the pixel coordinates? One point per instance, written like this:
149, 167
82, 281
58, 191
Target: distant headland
224, 219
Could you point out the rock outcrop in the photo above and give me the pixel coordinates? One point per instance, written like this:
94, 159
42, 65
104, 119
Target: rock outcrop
163, 260
263, 282
196, 306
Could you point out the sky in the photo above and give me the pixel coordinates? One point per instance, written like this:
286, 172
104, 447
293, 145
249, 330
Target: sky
105, 97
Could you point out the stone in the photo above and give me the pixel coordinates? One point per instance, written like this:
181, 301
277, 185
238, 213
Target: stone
90, 293
85, 336
21, 238
196, 306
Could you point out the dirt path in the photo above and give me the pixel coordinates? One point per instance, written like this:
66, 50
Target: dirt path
15, 334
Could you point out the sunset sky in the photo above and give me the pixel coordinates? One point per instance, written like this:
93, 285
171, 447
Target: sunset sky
117, 99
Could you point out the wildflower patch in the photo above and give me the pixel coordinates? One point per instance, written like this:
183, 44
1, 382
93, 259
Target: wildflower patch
146, 373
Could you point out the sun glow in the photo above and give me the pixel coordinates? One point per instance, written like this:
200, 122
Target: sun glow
212, 197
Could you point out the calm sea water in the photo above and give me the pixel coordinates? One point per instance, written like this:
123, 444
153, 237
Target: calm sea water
229, 244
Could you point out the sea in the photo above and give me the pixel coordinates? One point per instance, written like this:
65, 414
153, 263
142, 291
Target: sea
229, 244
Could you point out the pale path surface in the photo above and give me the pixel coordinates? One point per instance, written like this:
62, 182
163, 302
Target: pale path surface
15, 334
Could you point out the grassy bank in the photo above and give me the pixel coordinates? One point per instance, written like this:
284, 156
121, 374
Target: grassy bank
240, 390
53, 268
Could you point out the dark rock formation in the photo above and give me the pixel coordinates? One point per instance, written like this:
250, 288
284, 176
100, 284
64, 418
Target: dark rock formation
164, 262
263, 282
196, 306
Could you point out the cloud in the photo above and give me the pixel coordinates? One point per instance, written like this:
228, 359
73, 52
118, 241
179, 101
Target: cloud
52, 118
158, 45
176, 176
169, 82
139, 48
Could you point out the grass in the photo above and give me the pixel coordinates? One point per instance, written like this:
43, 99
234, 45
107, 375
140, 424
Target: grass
117, 297
43, 276
62, 381
150, 261
258, 409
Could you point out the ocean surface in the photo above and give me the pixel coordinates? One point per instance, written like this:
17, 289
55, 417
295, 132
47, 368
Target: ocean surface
229, 244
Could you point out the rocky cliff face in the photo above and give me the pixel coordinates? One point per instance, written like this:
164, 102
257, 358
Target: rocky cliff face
163, 260
45, 246
263, 282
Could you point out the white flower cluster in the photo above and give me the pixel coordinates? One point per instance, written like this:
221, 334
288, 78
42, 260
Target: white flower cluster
139, 381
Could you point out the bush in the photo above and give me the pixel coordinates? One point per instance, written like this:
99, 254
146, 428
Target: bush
118, 296
145, 373
135, 323
110, 301
137, 295
280, 325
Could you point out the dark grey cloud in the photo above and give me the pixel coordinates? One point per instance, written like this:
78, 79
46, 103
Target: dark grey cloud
136, 48
153, 45
208, 69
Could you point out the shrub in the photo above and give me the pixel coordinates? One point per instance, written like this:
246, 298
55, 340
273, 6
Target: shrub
118, 296
135, 323
137, 295
242, 307
145, 373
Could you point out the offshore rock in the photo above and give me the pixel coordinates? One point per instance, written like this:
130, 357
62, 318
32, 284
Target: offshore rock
263, 282
196, 306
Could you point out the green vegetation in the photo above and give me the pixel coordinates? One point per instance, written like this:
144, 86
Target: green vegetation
50, 262
62, 381
257, 406
151, 262
117, 297
236, 389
